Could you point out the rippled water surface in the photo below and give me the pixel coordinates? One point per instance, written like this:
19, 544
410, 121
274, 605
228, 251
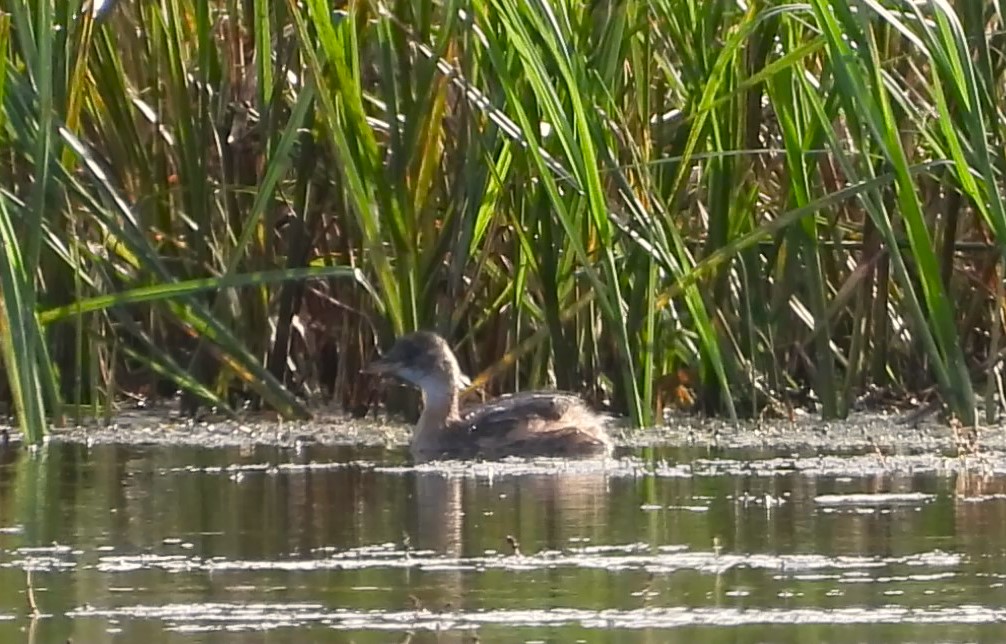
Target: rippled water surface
184, 544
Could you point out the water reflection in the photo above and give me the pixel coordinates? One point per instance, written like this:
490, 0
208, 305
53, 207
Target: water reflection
186, 544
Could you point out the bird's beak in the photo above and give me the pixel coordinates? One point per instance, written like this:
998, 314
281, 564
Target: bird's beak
379, 367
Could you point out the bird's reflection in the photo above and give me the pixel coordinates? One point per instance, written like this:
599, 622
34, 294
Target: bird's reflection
467, 518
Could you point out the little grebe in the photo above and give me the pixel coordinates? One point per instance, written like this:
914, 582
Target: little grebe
546, 423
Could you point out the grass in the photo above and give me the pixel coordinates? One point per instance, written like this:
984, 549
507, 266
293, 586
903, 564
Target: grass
737, 208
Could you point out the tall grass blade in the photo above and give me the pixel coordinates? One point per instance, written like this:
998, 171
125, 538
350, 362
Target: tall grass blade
19, 332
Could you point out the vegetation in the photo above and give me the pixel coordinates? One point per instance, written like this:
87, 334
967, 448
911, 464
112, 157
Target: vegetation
643, 201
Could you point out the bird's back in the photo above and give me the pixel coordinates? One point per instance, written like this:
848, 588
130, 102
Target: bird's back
542, 423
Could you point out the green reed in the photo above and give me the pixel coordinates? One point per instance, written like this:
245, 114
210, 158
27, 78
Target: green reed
629, 199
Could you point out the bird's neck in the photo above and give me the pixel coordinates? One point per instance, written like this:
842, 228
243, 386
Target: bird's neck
440, 408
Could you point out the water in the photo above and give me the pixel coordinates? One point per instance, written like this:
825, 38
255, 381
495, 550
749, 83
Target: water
185, 544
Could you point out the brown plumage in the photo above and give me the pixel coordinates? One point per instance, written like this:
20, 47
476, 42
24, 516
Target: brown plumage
541, 423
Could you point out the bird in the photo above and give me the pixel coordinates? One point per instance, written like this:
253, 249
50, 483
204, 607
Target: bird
526, 424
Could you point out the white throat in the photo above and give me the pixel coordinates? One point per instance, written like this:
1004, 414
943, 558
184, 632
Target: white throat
440, 406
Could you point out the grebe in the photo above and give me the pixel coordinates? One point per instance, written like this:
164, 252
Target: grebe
545, 423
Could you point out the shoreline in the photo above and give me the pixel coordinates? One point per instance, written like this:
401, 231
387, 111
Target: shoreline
862, 431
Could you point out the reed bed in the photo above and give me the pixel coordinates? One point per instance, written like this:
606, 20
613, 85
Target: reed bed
733, 207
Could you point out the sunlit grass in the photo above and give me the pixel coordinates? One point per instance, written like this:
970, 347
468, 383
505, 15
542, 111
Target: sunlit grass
654, 203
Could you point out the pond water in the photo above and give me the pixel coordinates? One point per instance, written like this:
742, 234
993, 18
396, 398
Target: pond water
266, 544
